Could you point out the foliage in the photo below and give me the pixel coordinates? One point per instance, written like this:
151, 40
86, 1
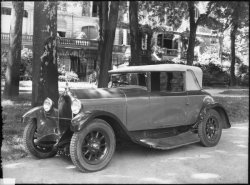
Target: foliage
68, 76
162, 13
26, 63
210, 55
213, 74
233, 15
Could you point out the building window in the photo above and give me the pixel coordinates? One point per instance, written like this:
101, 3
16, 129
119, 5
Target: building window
128, 38
5, 11
214, 40
25, 13
120, 37
61, 33
91, 32
165, 40
95, 9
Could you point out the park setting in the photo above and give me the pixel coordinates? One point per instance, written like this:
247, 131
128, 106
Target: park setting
71, 71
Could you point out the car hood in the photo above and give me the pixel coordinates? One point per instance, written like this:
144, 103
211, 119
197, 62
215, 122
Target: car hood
98, 93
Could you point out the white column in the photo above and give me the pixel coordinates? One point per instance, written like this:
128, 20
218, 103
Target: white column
179, 47
116, 40
91, 8
125, 42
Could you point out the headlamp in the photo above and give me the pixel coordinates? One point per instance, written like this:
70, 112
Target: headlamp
47, 104
76, 106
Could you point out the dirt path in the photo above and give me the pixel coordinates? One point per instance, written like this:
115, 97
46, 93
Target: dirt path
225, 163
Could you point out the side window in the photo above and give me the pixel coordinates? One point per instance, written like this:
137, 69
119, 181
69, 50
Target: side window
177, 82
167, 81
192, 84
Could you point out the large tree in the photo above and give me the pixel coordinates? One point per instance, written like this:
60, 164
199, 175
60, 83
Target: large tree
108, 18
135, 40
233, 15
12, 73
193, 25
44, 69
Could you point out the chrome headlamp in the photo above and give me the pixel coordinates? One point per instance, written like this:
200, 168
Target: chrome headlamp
47, 104
76, 106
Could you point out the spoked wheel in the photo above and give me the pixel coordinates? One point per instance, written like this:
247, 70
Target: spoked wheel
40, 151
210, 129
92, 148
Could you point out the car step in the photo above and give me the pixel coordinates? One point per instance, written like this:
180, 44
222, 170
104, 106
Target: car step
171, 142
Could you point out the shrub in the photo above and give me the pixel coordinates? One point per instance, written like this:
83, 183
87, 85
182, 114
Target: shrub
68, 75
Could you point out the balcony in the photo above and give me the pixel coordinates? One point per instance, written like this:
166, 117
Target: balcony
170, 52
62, 42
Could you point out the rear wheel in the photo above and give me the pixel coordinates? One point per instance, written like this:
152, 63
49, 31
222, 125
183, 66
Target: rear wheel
92, 148
209, 130
29, 137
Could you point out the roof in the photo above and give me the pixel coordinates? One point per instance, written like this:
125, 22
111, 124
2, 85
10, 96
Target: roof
158, 67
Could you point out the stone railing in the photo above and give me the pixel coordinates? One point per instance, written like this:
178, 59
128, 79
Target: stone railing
77, 43
62, 42
170, 52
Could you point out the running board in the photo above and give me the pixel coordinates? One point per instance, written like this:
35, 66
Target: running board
171, 142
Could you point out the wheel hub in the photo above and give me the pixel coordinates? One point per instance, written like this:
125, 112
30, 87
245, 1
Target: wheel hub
95, 145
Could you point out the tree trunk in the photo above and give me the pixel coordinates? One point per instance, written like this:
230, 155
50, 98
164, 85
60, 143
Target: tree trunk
103, 18
232, 69
44, 69
135, 41
221, 47
107, 49
192, 36
11, 88
149, 49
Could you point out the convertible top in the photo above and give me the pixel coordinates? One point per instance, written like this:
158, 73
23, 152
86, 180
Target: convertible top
160, 67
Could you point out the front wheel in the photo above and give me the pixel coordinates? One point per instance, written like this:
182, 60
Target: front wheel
209, 130
92, 148
29, 137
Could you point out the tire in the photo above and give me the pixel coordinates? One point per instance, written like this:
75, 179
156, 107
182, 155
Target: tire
92, 148
210, 129
28, 137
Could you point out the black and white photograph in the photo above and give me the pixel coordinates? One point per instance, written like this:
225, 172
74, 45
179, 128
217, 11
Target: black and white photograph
124, 92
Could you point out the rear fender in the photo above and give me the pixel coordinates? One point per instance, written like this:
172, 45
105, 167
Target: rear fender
220, 109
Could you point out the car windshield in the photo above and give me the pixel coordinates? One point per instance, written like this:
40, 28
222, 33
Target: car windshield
128, 79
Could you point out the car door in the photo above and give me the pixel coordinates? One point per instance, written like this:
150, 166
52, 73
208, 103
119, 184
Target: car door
167, 99
137, 102
195, 97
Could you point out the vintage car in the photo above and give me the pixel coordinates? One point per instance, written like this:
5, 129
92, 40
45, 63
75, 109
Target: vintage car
159, 106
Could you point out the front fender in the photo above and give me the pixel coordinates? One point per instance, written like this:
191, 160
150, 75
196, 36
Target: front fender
219, 108
83, 118
32, 113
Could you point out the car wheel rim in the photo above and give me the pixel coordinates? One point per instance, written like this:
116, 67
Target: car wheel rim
95, 147
212, 128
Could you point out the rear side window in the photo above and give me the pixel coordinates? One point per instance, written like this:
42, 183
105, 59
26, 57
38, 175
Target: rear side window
167, 81
192, 83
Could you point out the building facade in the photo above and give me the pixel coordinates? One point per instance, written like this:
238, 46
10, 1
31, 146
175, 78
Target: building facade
78, 34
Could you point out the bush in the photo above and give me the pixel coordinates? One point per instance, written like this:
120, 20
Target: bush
25, 64
68, 75
213, 74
